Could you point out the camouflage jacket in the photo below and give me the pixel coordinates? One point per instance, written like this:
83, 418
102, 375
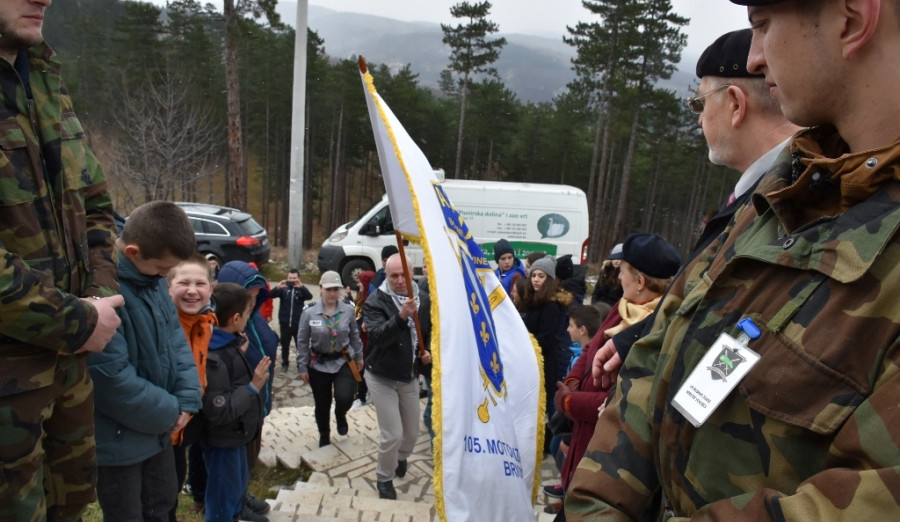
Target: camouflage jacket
56, 226
813, 431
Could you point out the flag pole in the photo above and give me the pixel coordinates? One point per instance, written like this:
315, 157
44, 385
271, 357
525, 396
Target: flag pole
408, 275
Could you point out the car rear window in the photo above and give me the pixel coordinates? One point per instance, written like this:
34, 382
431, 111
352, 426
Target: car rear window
250, 227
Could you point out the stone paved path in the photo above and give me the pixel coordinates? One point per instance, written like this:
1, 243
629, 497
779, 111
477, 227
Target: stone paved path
342, 486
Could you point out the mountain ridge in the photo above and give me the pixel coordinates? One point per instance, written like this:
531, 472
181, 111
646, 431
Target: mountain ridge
536, 68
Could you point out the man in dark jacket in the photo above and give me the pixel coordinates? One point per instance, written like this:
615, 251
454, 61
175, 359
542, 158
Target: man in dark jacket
391, 369
293, 295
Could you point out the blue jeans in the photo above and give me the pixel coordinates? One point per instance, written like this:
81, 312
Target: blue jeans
145, 491
225, 494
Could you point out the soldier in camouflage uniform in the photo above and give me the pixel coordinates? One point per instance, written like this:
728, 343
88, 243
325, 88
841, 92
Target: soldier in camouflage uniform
56, 242
812, 432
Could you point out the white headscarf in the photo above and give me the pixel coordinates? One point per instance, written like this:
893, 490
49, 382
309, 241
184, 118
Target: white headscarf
398, 302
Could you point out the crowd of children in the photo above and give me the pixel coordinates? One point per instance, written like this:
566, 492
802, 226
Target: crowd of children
184, 387
179, 378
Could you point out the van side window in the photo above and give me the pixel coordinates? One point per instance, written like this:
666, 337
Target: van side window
383, 220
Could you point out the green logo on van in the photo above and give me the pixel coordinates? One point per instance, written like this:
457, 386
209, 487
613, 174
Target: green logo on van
521, 249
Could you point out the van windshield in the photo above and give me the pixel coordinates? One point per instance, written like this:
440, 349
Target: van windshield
373, 205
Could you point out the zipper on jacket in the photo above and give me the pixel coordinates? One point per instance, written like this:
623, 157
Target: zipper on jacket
51, 181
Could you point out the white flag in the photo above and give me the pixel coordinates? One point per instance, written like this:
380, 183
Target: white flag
487, 370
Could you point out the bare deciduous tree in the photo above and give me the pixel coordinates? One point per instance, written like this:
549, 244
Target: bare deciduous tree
167, 140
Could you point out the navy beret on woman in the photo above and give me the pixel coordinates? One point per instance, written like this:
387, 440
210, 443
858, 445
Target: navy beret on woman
651, 255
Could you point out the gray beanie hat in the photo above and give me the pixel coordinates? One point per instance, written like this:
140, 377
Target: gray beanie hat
546, 265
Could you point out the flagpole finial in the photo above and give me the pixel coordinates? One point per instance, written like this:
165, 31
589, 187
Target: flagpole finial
362, 65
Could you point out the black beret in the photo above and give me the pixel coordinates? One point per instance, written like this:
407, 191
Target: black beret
727, 56
652, 255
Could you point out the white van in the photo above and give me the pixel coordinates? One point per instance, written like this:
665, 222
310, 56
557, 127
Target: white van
532, 216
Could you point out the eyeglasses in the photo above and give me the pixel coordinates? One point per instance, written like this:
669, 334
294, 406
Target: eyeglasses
696, 103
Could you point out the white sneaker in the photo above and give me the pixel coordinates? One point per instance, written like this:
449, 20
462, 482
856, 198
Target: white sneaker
357, 404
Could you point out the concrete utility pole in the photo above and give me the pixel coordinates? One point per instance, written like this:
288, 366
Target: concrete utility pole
298, 136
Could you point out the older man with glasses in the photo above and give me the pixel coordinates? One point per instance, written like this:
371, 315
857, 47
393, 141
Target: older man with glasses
742, 123
745, 130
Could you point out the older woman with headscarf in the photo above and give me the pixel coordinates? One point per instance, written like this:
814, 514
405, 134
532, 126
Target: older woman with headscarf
648, 264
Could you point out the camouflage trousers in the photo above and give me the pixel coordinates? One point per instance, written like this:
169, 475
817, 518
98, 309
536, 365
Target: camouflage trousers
47, 449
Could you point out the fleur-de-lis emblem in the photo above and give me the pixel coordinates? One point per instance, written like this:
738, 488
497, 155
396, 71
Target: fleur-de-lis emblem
485, 336
495, 365
473, 302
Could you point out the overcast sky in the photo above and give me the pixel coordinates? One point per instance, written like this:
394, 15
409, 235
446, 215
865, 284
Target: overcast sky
708, 18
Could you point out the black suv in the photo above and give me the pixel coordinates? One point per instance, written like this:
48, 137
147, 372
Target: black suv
227, 233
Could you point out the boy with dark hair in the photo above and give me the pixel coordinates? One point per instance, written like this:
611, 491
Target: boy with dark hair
584, 321
577, 397
509, 267
293, 295
145, 379
386, 252
263, 343
232, 406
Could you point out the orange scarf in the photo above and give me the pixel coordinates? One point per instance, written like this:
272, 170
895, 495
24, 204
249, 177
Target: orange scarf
198, 329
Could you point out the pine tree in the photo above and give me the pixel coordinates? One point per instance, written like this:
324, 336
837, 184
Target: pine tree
619, 58
471, 53
236, 191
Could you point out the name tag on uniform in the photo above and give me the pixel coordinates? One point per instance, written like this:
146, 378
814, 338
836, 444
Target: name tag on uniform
719, 371
315, 322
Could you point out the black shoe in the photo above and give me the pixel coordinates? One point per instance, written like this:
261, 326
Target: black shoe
401, 468
248, 515
386, 490
284, 367
342, 425
257, 506
324, 439
555, 491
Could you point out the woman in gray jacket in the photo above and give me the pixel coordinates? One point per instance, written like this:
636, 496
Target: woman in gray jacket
329, 355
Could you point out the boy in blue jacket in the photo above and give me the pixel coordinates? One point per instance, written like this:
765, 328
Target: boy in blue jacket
509, 267
145, 380
232, 406
263, 343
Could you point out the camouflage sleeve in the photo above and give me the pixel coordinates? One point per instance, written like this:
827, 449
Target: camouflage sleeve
101, 232
124, 396
616, 479
36, 312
